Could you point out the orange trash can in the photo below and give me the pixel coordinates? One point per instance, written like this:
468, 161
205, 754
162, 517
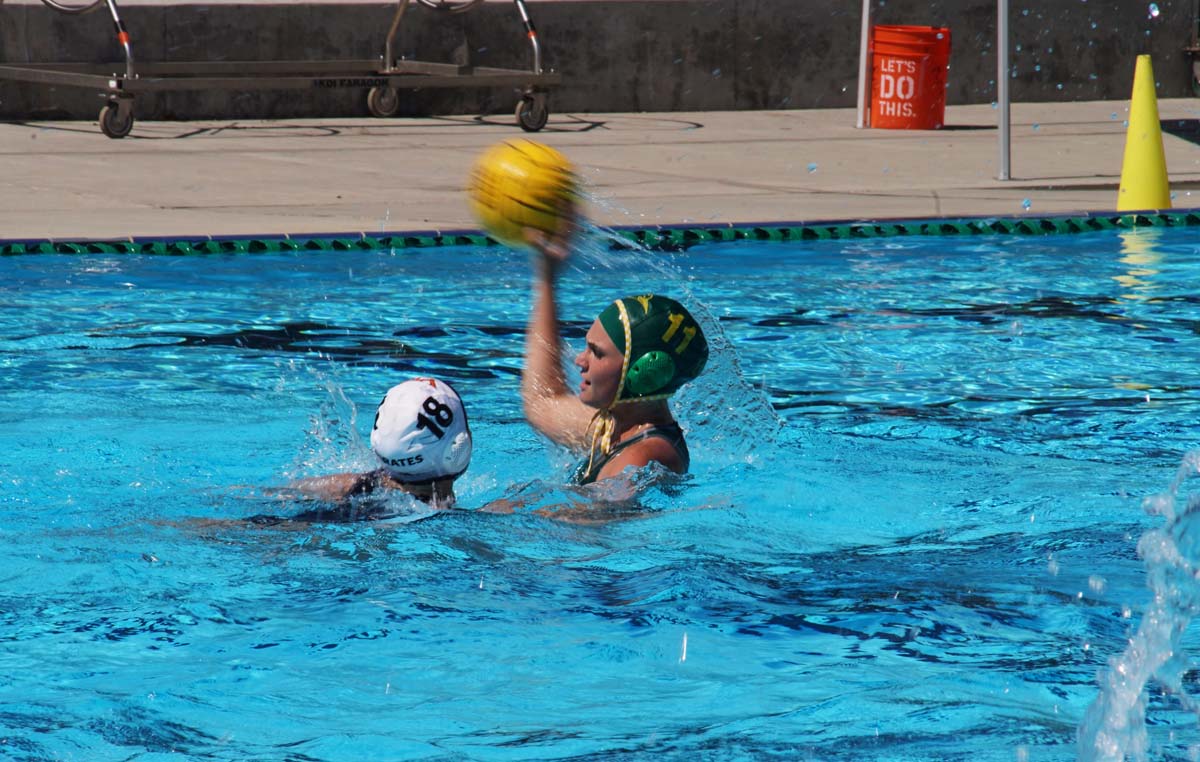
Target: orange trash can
908, 76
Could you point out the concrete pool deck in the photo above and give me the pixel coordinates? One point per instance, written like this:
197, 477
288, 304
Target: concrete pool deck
66, 181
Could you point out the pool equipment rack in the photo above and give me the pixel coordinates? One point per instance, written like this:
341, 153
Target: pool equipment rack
383, 78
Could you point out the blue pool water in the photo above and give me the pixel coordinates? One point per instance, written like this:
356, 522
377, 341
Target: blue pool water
910, 531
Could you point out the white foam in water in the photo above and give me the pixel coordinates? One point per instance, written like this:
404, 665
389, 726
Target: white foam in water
1114, 727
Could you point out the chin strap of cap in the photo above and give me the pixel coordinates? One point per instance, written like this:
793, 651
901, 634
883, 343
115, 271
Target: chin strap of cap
602, 426
603, 423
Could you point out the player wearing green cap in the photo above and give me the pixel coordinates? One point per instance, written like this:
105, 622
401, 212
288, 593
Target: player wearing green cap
639, 351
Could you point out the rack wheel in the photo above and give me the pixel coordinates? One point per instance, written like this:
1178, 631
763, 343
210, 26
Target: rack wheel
383, 101
116, 122
532, 113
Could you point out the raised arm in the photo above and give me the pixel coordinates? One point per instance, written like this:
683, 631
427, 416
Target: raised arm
550, 406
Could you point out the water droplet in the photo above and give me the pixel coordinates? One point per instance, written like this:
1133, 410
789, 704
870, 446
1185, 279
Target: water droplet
1037, 126
1037, 67
1026, 204
812, 167
1060, 85
716, 72
1018, 47
1114, 115
1095, 25
1154, 10
995, 105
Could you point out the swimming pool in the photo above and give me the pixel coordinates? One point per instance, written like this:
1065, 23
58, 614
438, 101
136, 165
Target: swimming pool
909, 531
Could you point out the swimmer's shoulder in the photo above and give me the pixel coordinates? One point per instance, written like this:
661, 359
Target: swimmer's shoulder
662, 444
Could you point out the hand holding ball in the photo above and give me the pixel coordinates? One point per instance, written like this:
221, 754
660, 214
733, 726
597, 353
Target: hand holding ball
520, 184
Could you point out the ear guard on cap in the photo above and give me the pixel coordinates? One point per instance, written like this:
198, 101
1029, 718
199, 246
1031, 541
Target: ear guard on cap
662, 344
650, 372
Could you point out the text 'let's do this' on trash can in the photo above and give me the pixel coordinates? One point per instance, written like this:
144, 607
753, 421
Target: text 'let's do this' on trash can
908, 76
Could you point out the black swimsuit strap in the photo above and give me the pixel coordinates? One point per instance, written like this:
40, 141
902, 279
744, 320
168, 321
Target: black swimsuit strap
650, 432
668, 431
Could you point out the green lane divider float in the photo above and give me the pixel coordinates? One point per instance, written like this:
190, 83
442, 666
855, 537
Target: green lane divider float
666, 238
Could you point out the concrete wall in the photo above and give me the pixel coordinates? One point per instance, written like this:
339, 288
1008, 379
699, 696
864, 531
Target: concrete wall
614, 55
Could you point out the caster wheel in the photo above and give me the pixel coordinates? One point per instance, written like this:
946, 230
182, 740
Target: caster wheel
532, 113
115, 121
383, 101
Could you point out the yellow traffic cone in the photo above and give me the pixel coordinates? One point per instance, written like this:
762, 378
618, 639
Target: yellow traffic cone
1144, 170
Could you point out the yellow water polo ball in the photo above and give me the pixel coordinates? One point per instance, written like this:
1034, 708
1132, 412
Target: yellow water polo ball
518, 184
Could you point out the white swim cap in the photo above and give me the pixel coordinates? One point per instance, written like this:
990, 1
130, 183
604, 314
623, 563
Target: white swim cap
421, 432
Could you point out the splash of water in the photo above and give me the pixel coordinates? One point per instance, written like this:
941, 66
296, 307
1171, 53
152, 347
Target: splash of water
722, 402
1114, 727
332, 440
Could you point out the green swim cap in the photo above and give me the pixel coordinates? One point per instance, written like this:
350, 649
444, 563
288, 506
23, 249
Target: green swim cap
663, 345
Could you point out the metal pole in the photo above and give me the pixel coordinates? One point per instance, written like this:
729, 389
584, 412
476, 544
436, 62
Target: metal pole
389, 55
1004, 171
531, 33
122, 38
864, 54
